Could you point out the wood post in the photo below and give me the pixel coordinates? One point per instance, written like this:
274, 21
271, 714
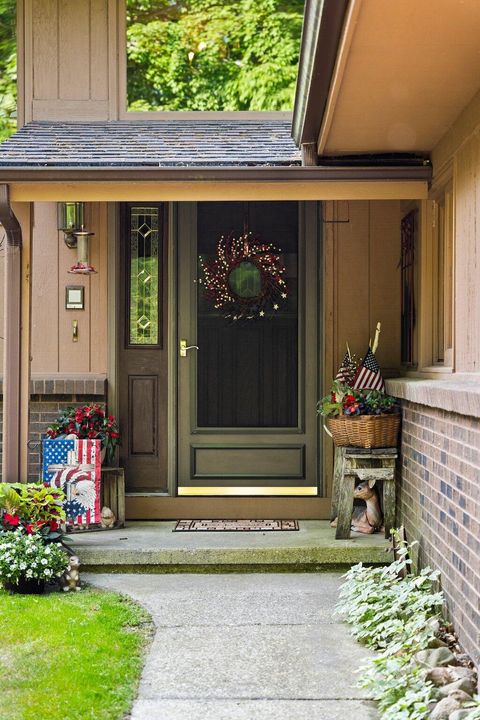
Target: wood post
12, 353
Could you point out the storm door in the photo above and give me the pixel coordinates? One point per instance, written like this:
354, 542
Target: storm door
142, 351
247, 348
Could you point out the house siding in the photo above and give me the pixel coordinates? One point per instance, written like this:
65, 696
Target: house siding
439, 490
439, 503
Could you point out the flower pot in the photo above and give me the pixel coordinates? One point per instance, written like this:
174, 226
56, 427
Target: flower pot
26, 586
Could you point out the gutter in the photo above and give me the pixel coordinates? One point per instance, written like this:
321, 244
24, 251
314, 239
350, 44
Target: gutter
321, 35
220, 174
12, 348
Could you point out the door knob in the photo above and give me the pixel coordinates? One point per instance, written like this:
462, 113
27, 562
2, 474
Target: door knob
184, 347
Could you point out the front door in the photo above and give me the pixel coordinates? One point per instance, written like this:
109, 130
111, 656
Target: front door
247, 396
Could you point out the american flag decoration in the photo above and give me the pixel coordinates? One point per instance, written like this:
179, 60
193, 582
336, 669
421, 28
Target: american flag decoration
369, 376
346, 371
74, 466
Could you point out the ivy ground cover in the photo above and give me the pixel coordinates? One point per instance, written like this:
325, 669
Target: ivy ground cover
71, 656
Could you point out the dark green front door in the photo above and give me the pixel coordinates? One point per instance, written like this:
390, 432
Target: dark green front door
249, 301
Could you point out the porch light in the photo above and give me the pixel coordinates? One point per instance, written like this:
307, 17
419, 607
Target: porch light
71, 219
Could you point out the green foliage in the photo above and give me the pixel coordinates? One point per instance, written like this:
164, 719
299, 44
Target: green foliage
27, 556
345, 400
8, 69
35, 507
212, 55
397, 616
70, 655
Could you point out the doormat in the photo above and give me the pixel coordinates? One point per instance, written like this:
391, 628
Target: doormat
235, 525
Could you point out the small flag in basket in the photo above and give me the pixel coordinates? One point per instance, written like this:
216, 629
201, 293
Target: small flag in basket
369, 376
74, 466
346, 371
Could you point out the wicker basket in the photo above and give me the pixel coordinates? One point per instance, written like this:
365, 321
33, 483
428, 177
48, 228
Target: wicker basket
338, 428
365, 431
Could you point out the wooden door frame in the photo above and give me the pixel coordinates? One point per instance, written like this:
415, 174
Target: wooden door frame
161, 506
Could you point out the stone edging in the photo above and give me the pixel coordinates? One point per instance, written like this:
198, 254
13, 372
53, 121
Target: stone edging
456, 396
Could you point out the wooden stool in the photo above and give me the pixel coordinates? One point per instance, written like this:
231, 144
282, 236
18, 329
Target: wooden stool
354, 464
113, 492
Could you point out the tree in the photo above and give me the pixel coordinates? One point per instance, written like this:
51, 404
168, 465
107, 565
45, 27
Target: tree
212, 54
8, 69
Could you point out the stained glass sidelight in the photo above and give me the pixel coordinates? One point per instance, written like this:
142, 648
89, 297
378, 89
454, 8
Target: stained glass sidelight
144, 275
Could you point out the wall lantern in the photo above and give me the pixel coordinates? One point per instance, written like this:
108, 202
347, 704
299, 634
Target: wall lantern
71, 221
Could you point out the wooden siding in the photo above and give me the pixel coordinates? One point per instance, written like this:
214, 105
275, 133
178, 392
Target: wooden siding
69, 51
456, 160
362, 280
53, 350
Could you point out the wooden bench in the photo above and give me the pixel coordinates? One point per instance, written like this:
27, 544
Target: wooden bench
353, 465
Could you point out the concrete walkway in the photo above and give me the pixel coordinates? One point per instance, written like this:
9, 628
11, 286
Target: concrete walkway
245, 647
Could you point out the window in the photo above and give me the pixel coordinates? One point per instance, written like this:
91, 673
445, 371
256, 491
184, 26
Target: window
212, 55
442, 275
407, 268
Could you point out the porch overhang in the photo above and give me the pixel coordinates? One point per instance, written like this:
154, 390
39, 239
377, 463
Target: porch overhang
382, 77
188, 160
170, 186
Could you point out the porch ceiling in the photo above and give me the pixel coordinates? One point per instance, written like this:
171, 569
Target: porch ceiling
404, 71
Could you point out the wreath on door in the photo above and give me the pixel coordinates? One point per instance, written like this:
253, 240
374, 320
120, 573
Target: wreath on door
245, 278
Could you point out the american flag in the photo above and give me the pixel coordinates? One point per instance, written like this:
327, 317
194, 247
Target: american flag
369, 375
74, 466
346, 371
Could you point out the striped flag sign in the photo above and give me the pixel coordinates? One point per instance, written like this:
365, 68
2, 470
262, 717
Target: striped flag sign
369, 376
346, 371
74, 466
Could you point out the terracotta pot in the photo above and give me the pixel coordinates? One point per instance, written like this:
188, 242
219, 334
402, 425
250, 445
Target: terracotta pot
26, 586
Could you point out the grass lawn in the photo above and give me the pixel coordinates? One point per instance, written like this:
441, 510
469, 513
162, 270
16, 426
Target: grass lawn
72, 656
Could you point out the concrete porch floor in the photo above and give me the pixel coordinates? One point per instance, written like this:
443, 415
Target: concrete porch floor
153, 547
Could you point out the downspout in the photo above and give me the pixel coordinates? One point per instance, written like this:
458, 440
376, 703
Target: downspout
12, 333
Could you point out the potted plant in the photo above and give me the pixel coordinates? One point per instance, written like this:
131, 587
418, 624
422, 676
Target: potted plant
27, 562
30, 533
362, 418
88, 422
32, 508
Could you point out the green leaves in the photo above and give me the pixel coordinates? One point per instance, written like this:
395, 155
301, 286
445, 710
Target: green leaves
393, 615
8, 69
210, 55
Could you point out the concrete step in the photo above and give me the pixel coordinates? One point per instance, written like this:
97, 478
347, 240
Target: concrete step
152, 547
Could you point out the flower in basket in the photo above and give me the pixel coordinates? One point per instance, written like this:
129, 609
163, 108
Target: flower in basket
33, 509
88, 422
28, 558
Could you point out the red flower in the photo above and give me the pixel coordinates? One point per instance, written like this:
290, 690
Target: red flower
12, 520
29, 528
349, 399
53, 525
114, 435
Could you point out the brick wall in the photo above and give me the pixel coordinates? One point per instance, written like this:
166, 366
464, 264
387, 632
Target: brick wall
48, 397
439, 501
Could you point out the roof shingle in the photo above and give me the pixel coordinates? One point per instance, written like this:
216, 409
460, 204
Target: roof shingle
162, 143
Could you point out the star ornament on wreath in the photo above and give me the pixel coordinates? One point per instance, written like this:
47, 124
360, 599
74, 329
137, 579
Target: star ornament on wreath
245, 278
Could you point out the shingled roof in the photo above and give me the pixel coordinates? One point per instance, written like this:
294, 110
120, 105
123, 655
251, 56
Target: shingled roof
163, 143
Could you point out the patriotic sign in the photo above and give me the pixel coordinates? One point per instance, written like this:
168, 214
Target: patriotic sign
74, 466
369, 375
346, 371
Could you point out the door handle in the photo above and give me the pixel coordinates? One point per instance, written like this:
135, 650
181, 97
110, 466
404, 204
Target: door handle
184, 347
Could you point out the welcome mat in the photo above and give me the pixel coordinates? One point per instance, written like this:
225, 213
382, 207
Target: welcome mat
235, 525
